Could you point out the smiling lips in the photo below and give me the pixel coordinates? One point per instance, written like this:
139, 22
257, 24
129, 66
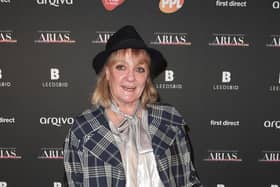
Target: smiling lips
129, 88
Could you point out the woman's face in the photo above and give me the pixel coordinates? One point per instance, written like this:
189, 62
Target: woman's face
127, 76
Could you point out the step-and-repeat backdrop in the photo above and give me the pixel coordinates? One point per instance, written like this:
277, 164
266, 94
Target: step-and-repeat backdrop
223, 76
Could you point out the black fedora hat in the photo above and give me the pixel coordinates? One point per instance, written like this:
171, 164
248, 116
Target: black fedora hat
127, 37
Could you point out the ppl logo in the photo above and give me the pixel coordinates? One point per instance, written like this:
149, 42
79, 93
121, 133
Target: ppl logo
110, 5
170, 6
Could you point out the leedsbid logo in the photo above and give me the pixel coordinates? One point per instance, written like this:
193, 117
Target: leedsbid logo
170, 6
55, 3
56, 121
271, 124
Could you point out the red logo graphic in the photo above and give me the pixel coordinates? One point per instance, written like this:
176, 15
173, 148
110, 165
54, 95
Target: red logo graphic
111, 4
170, 6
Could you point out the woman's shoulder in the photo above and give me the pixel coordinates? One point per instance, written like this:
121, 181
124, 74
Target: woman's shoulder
165, 111
87, 121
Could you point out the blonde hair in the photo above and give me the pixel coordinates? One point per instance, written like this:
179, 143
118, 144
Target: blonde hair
101, 94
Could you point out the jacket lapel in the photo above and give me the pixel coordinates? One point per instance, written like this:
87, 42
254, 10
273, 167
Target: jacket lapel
162, 132
100, 141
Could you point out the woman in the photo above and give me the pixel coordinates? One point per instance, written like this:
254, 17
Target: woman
127, 139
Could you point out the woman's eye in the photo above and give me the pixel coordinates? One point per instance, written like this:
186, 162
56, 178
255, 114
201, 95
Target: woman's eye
120, 67
140, 69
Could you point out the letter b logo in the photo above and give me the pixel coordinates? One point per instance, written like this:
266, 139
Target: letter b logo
57, 184
3, 184
54, 74
226, 77
169, 75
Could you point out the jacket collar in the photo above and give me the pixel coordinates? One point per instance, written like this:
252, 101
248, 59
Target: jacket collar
100, 141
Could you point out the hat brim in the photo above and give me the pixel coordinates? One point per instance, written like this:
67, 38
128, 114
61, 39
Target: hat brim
158, 62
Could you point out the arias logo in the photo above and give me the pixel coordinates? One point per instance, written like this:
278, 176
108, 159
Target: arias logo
223, 156
7, 36
166, 38
54, 37
229, 40
274, 41
102, 37
270, 156
51, 153
170, 6
9, 153
110, 5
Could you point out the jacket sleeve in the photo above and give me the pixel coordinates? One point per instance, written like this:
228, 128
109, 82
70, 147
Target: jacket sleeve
185, 148
72, 162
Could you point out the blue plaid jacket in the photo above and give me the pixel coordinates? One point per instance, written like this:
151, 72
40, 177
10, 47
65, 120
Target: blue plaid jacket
92, 158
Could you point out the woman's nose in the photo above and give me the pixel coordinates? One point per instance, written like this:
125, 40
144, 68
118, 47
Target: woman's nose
131, 75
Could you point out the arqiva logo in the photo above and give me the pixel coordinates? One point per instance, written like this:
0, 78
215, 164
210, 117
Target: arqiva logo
111, 4
170, 6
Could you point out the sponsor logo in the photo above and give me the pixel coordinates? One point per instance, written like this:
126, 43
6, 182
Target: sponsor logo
7, 121
274, 185
225, 123
7, 2
52, 37
170, 6
223, 156
102, 37
55, 3
55, 76
276, 4
270, 156
57, 184
167, 38
4, 83
7, 36
274, 41
226, 80
51, 153
275, 88
169, 78
3, 184
272, 124
110, 5
228, 40
56, 121
9, 153
220, 185
231, 3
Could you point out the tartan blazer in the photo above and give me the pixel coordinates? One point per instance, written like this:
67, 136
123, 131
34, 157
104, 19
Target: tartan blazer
92, 158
